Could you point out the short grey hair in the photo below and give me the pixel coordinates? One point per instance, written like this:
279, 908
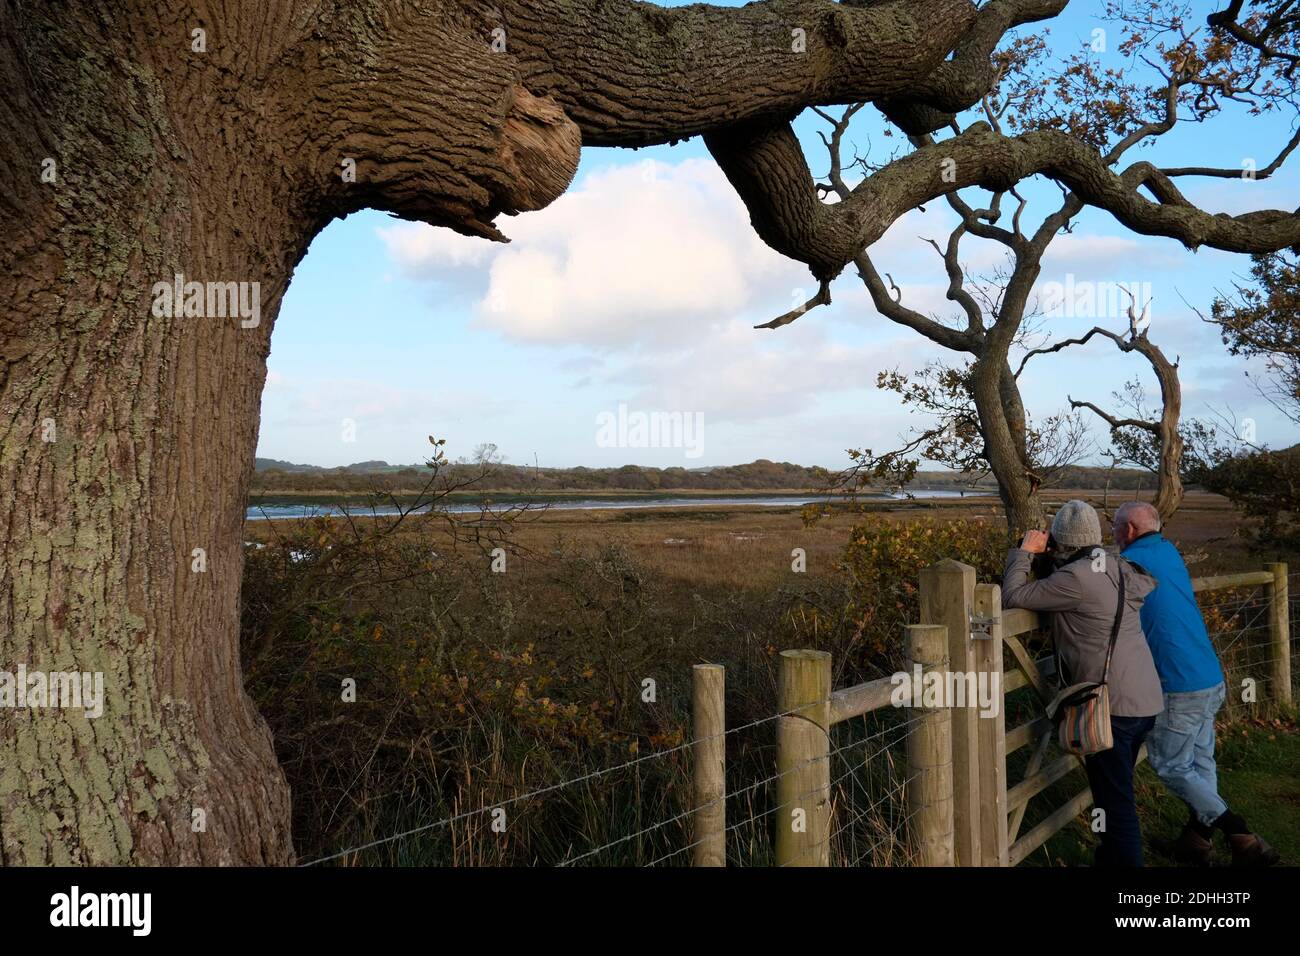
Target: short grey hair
1140, 515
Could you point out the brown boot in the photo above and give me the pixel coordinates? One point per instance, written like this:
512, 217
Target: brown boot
1192, 849
1249, 849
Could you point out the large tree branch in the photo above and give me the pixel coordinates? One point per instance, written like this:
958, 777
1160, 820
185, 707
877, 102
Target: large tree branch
432, 125
458, 112
766, 166
634, 74
961, 81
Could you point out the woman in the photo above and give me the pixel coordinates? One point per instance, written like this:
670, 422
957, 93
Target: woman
1081, 592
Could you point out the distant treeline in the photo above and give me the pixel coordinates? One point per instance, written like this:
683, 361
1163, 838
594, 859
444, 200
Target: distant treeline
1071, 476
276, 476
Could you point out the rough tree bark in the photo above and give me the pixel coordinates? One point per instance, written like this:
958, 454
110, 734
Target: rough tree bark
135, 149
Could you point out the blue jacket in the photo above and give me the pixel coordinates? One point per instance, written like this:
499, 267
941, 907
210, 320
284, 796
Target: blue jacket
1175, 630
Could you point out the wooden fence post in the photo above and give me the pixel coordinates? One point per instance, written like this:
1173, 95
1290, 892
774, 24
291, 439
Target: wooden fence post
803, 786
991, 729
947, 597
929, 753
710, 752
1280, 626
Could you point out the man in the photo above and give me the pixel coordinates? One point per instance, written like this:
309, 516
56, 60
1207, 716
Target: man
1079, 588
1181, 745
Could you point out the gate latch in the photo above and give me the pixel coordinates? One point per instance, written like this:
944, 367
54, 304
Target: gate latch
981, 628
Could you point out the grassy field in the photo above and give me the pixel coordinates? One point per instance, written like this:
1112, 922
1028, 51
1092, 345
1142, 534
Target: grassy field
478, 686
748, 546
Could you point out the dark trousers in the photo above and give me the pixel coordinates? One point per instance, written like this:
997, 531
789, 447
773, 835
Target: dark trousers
1110, 774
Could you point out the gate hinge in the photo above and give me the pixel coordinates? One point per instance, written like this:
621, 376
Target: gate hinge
981, 628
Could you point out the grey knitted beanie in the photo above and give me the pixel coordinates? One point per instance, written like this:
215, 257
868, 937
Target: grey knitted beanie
1076, 525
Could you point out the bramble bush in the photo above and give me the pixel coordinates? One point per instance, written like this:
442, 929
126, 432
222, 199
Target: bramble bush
884, 559
405, 682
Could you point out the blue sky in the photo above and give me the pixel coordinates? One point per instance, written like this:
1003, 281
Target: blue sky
640, 286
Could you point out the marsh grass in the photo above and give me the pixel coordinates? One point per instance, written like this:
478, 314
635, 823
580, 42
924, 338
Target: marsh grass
474, 688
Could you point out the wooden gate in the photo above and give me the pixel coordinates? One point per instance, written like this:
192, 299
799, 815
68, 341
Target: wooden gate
989, 810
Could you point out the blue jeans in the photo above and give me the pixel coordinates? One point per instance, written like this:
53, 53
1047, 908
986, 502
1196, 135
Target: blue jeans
1110, 775
1181, 750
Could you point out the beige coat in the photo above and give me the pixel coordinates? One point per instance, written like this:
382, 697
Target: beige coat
1080, 596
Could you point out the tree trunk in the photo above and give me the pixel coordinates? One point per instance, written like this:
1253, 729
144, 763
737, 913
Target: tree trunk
128, 439
141, 157
128, 433
154, 427
1169, 471
1002, 424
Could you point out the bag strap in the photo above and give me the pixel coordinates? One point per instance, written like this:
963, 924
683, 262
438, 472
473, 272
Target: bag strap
1056, 658
1119, 617
1114, 631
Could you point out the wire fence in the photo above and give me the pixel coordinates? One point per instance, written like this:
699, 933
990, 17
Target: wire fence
867, 794
1239, 622
868, 789
582, 805
640, 812
869, 778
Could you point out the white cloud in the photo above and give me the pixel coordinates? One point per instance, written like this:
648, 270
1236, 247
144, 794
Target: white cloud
1097, 252
737, 374
419, 249
647, 277
646, 253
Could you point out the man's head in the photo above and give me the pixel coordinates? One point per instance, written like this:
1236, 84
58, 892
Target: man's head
1134, 519
1076, 526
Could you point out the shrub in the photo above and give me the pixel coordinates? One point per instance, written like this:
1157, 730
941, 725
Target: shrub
1265, 486
473, 687
884, 560
470, 688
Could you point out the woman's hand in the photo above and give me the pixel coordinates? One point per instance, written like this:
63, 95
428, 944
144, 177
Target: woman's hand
1035, 542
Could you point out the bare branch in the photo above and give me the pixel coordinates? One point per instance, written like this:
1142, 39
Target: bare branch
891, 307
1264, 173
823, 297
980, 222
1066, 343
1112, 421
956, 279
